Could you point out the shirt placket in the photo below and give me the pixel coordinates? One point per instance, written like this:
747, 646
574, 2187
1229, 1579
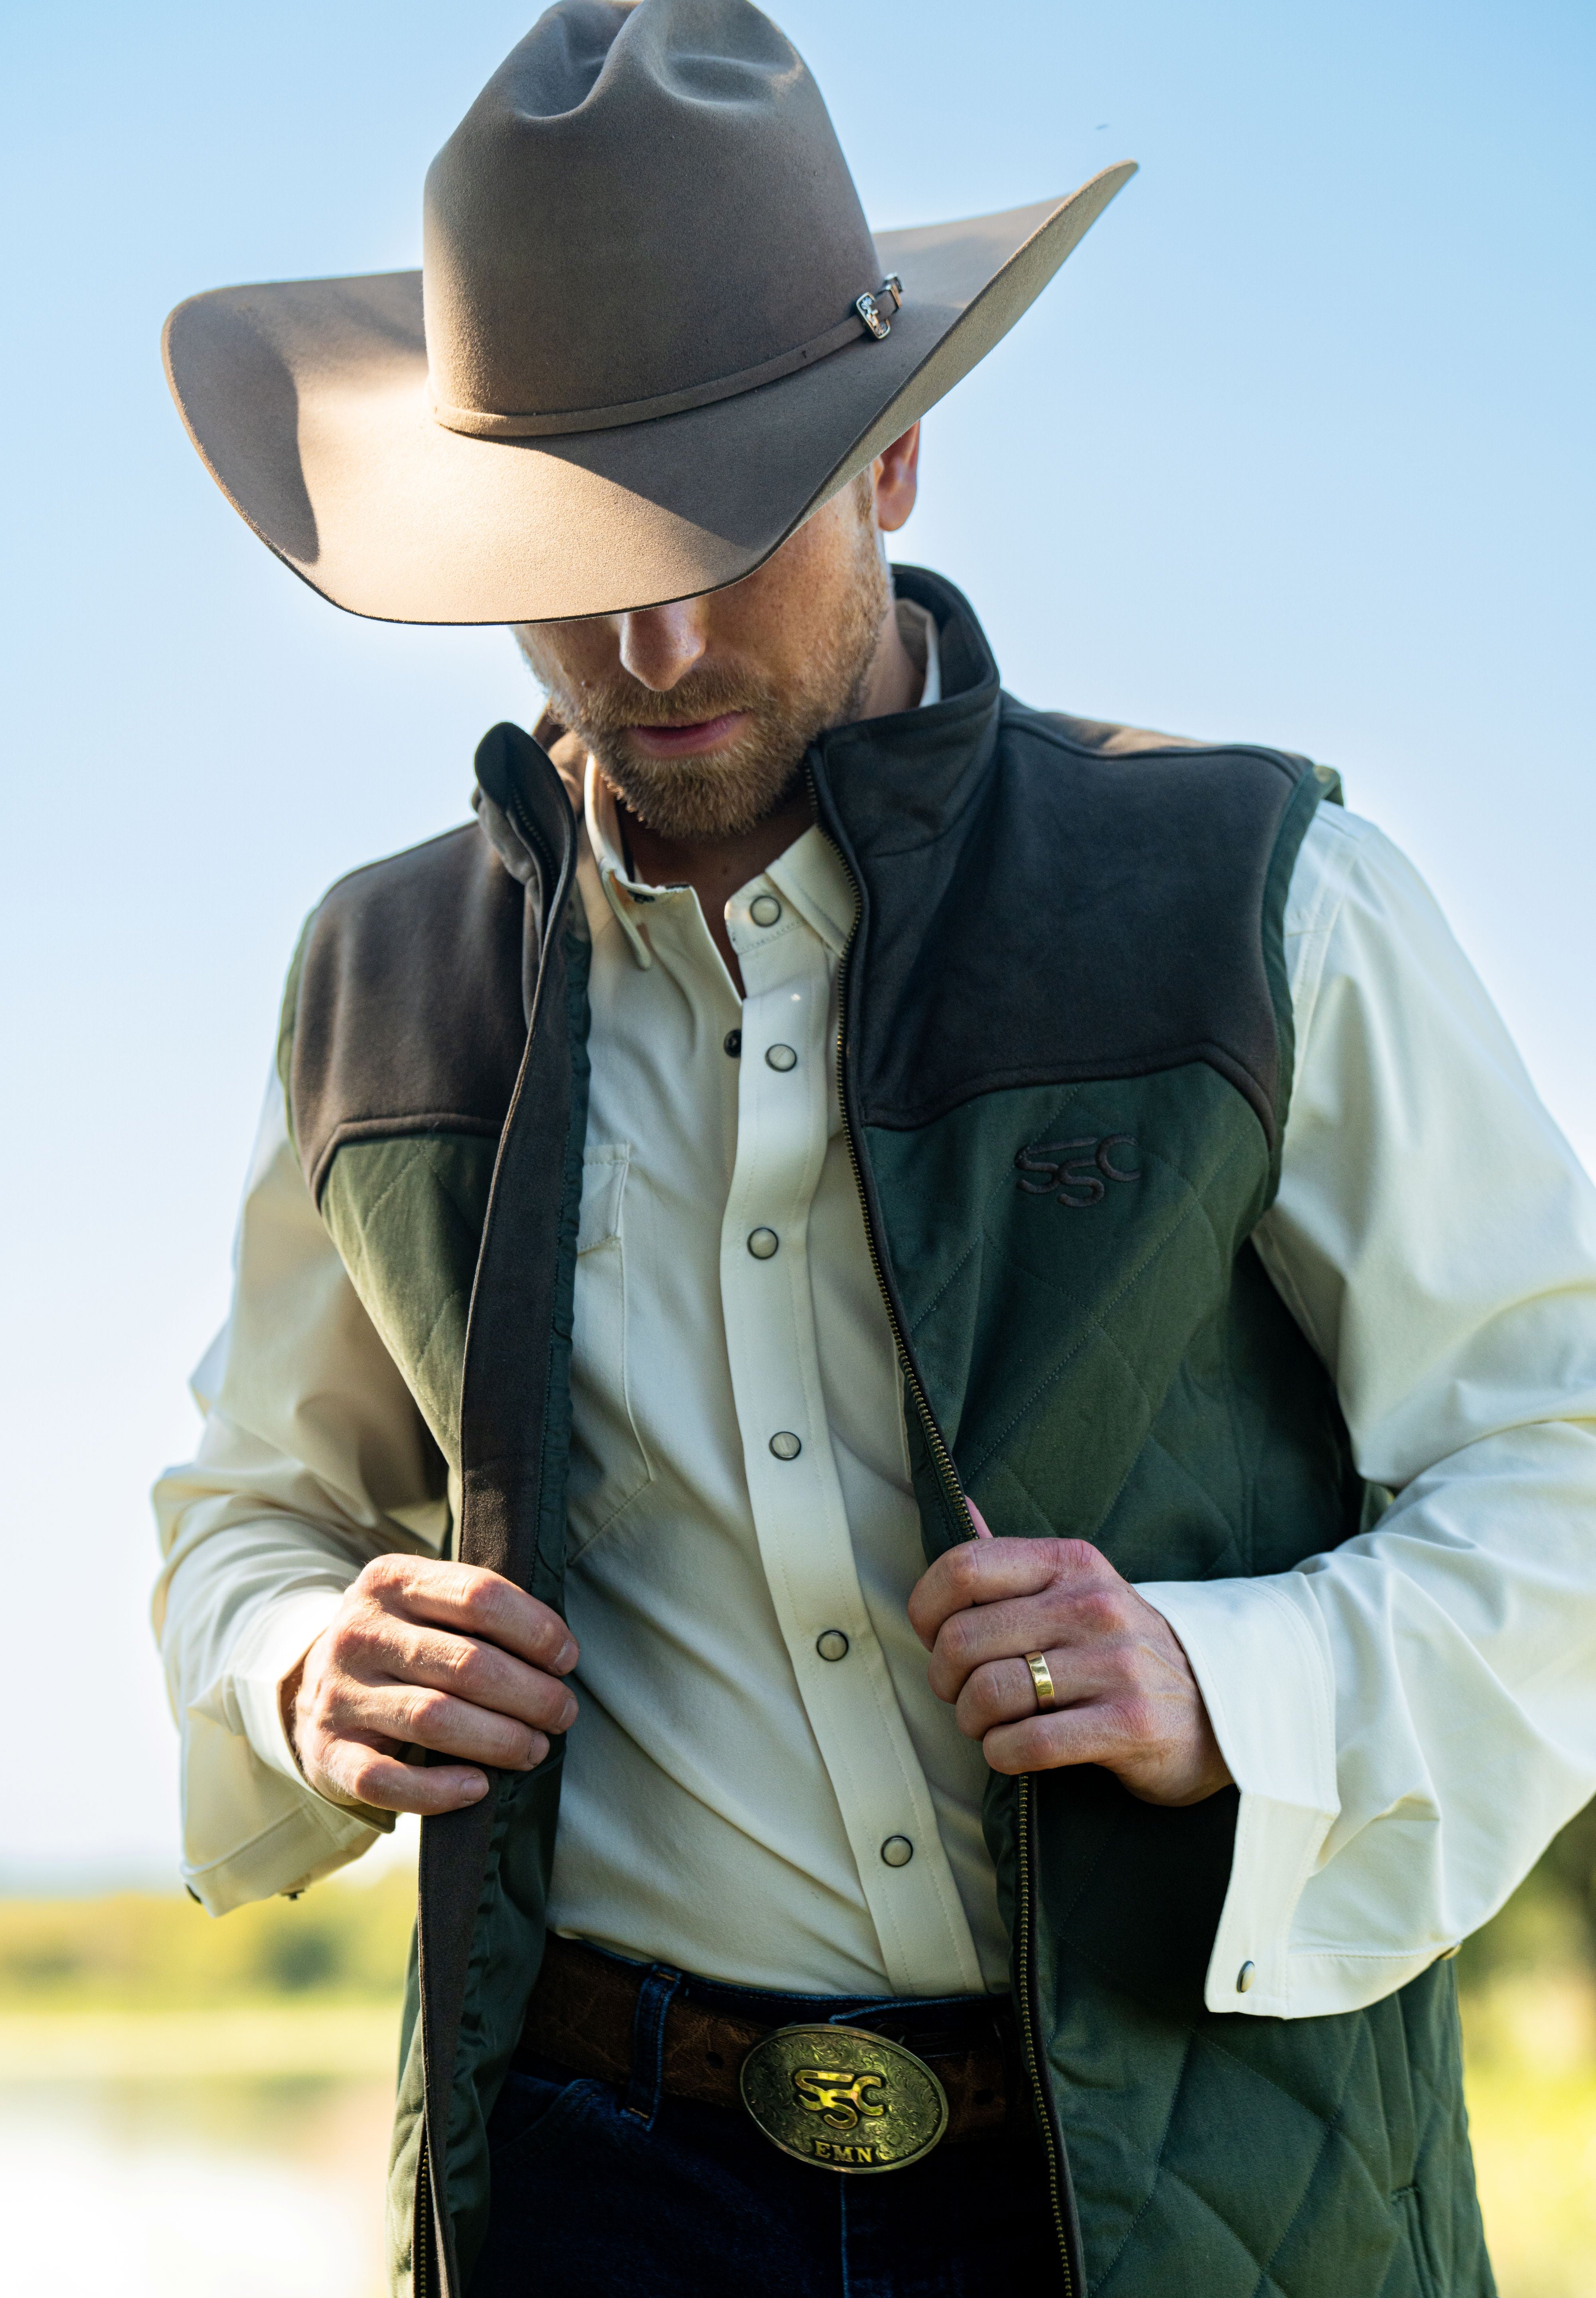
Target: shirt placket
800, 1521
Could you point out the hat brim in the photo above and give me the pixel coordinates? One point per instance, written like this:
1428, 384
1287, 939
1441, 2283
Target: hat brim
307, 402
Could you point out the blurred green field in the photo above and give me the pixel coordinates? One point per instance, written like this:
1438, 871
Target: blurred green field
143, 1988
344, 1942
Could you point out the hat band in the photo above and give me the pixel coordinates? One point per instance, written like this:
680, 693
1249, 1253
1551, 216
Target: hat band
868, 318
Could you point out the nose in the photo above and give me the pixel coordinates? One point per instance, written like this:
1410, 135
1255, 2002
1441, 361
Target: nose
659, 645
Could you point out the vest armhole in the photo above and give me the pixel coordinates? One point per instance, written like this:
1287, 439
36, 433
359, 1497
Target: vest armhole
1315, 785
287, 1025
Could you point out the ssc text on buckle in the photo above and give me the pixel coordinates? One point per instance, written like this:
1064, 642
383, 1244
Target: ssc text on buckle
842, 2098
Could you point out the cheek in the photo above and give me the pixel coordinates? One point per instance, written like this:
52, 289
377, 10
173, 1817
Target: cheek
569, 655
784, 613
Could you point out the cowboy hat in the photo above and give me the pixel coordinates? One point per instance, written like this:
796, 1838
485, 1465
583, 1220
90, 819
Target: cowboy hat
650, 335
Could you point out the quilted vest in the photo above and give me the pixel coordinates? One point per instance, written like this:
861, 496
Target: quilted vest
1065, 1062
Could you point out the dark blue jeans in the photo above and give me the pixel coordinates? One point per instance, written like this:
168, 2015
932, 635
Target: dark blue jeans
599, 2193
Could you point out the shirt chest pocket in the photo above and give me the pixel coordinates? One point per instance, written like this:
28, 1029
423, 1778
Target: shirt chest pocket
609, 1465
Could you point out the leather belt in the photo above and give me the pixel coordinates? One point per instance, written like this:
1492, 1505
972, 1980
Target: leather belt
584, 2009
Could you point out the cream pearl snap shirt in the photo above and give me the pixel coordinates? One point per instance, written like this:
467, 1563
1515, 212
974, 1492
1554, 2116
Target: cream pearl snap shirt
759, 1786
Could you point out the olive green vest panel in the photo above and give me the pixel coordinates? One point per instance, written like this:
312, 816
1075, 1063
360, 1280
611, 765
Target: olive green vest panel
1110, 1362
1216, 2155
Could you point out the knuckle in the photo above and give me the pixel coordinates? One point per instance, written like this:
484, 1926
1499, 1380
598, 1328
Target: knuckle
955, 1637
995, 1683
1097, 1610
962, 1569
982, 1701
467, 1666
382, 1576
1080, 1556
1138, 1718
1076, 1563
472, 1596
548, 1635
428, 1712
943, 1679
481, 1597
354, 1636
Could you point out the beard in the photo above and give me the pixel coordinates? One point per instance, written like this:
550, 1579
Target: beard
727, 791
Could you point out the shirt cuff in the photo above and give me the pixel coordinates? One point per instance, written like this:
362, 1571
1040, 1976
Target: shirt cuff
1262, 1664
269, 1650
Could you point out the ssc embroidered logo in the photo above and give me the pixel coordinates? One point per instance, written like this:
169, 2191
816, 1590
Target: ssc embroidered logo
1077, 1173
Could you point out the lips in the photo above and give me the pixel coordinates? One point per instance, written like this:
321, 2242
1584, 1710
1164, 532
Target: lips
688, 741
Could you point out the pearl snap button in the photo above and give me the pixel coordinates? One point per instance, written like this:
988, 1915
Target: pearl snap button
762, 1243
833, 1644
732, 1043
897, 1851
781, 1057
1243, 1978
785, 1445
764, 909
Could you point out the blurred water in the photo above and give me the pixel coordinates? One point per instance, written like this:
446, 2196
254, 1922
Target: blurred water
204, 2187
194, 2189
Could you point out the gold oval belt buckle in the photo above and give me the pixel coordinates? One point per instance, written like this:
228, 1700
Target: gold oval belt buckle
842, 2098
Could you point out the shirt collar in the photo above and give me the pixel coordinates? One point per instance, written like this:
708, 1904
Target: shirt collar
810, 873
623, 895
917, 628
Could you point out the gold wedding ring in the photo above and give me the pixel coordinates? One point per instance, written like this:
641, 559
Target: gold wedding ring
1041, 1676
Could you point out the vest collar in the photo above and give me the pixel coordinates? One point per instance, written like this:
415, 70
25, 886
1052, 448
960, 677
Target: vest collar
888, 785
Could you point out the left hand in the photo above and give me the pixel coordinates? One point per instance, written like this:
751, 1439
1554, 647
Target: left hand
1127, 1697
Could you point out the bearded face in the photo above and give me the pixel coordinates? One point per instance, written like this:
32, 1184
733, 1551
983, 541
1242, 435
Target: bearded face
787, 655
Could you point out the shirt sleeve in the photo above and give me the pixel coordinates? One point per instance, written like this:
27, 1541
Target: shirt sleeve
1410, 1717
313, 1459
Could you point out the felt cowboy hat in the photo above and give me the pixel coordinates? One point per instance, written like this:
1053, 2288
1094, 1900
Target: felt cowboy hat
651, 333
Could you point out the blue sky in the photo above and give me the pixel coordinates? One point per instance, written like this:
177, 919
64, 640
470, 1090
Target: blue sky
1297, 449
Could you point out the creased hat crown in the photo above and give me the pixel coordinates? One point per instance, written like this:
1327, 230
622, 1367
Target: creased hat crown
646, 203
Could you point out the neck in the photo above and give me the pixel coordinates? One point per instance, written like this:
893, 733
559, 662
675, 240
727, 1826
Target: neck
716, 867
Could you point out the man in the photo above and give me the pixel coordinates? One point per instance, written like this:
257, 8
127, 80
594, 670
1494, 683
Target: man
954, 1332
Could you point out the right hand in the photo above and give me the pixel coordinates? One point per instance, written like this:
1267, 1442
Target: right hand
422, 1654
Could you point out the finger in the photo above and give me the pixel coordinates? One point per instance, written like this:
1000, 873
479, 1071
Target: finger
1075, 1612
412, 1714
477, 1603
984, 1572
480, 1673
1004, 1692
1092, 1733
363, 1774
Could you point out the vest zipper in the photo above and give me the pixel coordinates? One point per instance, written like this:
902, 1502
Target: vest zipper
954, 1493
420, 2265
1052, 2143
423, 2241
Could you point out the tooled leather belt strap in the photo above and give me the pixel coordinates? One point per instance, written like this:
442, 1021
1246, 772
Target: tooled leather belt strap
582, 2016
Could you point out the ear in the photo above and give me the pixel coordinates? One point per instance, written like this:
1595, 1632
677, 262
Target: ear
897, 475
